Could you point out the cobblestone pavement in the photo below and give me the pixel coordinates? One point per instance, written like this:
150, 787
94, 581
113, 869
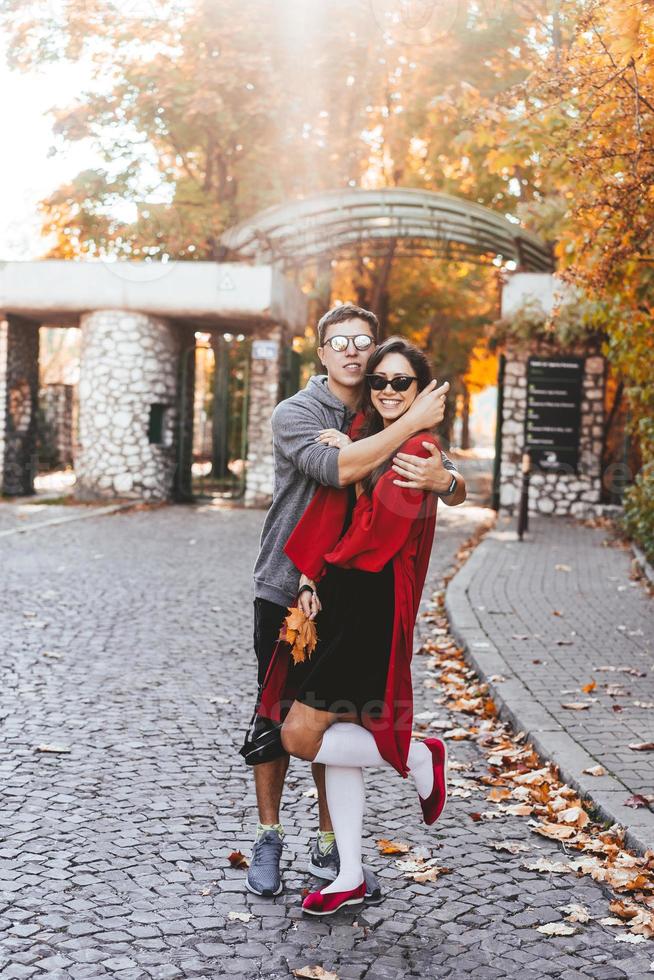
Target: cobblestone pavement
551, 615
126, 641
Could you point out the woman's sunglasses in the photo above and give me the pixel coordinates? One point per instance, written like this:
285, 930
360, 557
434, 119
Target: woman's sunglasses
339, 343
378, 382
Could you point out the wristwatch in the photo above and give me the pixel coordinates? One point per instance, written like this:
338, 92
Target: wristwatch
450, 490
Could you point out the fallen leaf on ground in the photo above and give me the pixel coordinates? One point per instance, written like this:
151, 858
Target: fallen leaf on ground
519, 809
629, 937
240, 916
315, 973
643, 923
576, 913
577, 705
534, 778
632, 671
595, 771
587, 688
498, 793
642, 746
430, 875
311, 793
643, 704
545, 865
554, 831
457, 734
238, 860
636, 802
62, 749
52, 654
392, 847
512, 846
557, 929
625, 910
574, 815
411, 865
562, 568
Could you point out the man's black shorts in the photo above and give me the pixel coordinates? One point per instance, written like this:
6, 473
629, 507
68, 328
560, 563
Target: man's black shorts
268, 619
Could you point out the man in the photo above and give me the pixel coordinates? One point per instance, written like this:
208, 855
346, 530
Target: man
305, 428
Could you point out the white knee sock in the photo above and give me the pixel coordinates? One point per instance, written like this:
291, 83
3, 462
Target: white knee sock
346, 801
347, 744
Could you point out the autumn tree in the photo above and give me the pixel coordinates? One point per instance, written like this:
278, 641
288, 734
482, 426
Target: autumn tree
582, 125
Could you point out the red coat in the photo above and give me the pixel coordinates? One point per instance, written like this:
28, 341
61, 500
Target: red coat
395, 523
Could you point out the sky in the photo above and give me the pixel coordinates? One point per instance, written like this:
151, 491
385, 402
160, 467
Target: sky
27, 173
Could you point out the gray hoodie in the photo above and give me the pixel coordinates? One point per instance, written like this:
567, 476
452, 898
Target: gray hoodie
301, 464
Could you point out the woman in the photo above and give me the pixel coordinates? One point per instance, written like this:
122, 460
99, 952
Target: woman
351, 701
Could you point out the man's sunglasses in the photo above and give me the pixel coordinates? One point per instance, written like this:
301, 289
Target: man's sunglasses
339, 343
378, 382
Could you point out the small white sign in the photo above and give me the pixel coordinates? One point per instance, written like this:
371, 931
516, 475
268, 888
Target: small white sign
265, 350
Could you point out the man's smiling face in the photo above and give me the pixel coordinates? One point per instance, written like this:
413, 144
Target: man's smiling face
348, 367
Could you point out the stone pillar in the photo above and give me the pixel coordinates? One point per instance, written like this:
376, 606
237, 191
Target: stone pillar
552, 493
265, 380
19, 391
128, 406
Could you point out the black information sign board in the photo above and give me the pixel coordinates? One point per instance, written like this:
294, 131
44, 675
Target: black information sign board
554, 393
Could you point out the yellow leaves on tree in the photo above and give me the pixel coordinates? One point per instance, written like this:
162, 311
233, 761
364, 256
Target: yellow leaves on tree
300, 633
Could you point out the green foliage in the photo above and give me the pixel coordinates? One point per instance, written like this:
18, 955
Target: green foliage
639, 511
578, 321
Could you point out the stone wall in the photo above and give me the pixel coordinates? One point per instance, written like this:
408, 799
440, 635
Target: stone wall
129, 364
265, 377
552, 493
19, 391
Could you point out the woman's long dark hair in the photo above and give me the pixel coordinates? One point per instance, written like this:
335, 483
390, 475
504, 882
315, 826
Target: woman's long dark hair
373, 422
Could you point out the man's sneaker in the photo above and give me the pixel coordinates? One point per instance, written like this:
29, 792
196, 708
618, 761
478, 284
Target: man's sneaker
264, 877
328, 865
324, 865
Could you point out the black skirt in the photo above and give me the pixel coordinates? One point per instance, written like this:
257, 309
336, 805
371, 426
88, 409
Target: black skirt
348, 669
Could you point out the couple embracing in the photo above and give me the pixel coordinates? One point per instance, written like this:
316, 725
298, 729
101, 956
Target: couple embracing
347, 539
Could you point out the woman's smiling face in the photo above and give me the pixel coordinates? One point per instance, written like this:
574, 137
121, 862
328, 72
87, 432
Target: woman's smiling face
389, 403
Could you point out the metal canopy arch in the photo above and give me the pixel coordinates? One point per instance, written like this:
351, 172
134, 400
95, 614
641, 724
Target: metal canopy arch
424, 223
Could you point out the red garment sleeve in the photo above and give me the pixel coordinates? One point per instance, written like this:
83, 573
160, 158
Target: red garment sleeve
381, 524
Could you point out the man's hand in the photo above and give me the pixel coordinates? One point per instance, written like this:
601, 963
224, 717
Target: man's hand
419, 473
309, 602
428, 408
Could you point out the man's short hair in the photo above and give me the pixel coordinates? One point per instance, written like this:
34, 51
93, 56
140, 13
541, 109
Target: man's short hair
348, 311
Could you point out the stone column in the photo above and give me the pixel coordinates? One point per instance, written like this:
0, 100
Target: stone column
19, 391
265, 379
128, 406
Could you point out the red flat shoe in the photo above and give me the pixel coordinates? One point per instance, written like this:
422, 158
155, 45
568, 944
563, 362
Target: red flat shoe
316, 903
433, 806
